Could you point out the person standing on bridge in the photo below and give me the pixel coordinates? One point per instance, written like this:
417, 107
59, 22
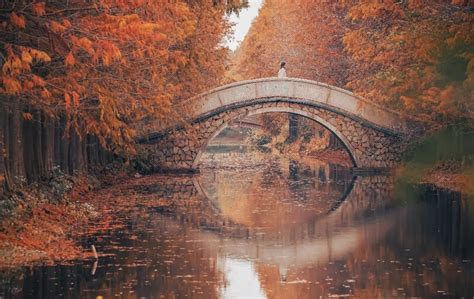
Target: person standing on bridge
282, 71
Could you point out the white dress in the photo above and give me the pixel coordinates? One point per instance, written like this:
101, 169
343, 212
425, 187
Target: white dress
282, 73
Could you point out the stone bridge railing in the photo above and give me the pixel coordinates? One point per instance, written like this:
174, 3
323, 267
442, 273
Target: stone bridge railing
307, 91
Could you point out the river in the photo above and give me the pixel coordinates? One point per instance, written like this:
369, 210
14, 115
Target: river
272, 228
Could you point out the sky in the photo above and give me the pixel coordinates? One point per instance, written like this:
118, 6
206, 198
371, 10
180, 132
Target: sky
243, 23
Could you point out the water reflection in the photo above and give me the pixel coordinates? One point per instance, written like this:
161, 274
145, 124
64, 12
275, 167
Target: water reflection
286, 229
279, 198
241, 279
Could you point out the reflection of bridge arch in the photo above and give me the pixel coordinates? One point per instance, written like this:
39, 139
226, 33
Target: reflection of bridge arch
319, 246
314, 244
201, 191
349, 207
374, 136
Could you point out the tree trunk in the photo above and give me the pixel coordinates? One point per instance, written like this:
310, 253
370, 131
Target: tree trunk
293, 127
49, 144
15, 149
3, 170
92, 151
102, 155
29, 150
57, 142
38, 138
75, 153
6, 148
64, 151
84, 153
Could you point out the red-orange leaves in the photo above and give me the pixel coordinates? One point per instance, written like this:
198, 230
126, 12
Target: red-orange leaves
373, 10
108, 65
38, 8
83, 43
45, 94
70, 60
17, 20
38, 81
25, 56
28, 85
11, 85
40, 56
57, 27
108, 52
27, 116
75, 98
67, 101
412, 56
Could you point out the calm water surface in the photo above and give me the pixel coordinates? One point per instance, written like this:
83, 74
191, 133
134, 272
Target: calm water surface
284, 229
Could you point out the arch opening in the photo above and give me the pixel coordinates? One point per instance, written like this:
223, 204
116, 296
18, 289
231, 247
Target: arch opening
247, 119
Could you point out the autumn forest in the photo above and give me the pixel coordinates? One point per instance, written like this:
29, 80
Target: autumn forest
99, 92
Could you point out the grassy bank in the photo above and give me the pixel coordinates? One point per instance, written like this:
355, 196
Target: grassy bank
444, 159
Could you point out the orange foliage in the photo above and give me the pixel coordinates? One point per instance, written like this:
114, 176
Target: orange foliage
307, 34
106, 67
415, 56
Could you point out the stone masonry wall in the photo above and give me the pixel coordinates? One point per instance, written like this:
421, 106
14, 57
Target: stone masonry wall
370, 147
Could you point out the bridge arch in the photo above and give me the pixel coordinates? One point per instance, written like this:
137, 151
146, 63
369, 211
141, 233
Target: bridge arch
374, 136
287, 109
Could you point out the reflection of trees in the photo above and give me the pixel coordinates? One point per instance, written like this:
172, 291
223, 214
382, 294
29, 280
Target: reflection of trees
273, 171
414, 250
424, 254
274, 198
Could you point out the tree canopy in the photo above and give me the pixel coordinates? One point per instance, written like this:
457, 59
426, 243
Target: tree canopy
105, 65
414, 56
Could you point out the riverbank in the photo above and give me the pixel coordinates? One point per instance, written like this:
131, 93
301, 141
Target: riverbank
333, 156
40, 226
37, 223
40, 221
443, 158
451, 177
42, 235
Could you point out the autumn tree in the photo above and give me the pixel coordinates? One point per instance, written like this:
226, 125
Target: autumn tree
415, 56
204, 50
306, 34
78, 77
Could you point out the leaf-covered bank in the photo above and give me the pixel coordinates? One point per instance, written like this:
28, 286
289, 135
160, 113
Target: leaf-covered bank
39, 221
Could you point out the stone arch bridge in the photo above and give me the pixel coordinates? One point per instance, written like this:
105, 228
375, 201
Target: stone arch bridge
374, 136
